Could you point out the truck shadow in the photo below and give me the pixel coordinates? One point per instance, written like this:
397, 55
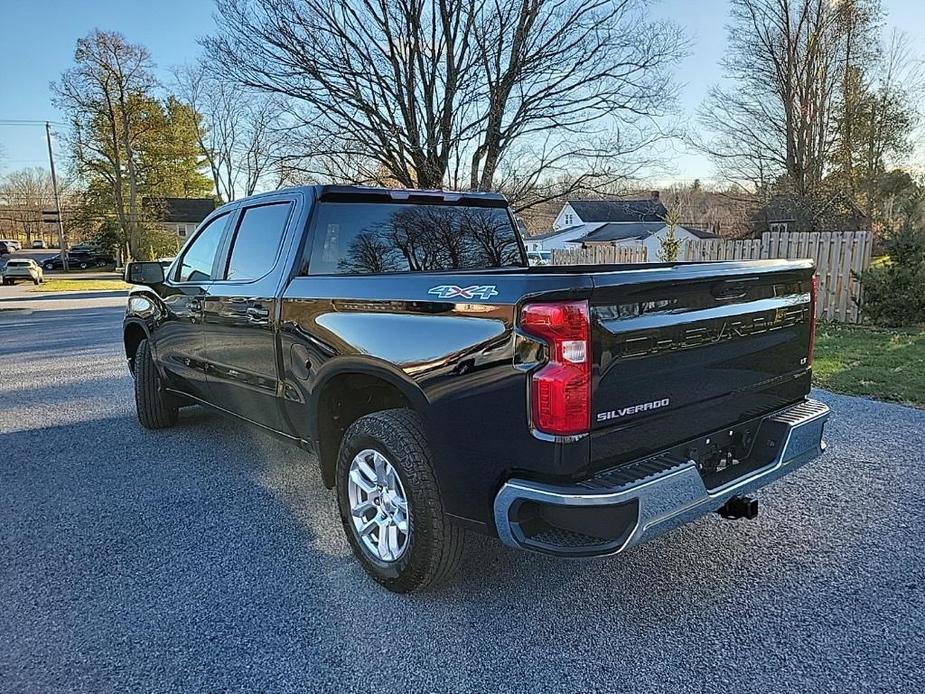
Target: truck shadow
219, 537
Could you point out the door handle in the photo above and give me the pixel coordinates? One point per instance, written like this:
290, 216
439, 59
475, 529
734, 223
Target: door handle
257, 313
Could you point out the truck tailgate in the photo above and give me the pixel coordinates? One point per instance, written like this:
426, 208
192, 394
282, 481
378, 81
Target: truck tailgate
684, 350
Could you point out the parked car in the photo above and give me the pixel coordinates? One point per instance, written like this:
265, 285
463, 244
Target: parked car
4, 249
566, 410
38, 243
84, 248
12, 244
22, 269
77, 261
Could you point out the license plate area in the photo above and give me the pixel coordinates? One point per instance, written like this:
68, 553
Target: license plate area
725, 455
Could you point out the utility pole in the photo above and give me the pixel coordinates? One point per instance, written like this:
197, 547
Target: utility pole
54, 187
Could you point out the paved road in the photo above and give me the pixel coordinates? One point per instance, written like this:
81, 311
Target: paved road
209, 557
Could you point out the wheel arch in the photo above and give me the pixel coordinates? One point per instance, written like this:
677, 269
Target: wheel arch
133, 332
348, 389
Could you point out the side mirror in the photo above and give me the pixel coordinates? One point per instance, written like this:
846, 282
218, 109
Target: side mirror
147, 273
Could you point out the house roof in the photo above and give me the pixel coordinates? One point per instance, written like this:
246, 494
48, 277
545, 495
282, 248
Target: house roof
577, 230
645, 210
180, 209
700, 233
623, 231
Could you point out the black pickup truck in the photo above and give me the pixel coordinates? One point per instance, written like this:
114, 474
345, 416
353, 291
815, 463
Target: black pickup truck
446, 386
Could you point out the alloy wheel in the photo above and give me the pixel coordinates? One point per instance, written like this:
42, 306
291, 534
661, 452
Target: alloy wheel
378, 506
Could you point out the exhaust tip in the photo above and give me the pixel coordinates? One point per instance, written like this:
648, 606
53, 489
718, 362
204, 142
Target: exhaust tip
739, 507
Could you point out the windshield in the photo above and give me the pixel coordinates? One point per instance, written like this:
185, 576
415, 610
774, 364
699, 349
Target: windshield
362, 238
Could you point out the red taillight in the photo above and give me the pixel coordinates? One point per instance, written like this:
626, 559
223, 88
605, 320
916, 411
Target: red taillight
560, 391
812, 320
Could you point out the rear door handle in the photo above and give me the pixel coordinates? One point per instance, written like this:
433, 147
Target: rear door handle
257, 313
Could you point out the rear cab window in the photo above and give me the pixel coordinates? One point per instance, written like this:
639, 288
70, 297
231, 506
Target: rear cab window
352, 238
257, 241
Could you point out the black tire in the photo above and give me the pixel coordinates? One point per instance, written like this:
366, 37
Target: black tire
83, 266
35, 281
435, 544
156, 409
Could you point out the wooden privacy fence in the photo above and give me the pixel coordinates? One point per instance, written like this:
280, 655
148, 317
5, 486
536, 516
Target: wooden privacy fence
599, 254
840, 257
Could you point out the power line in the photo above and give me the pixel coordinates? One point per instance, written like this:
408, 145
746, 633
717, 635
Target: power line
14, 121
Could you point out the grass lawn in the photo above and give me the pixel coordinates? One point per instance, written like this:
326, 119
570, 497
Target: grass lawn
882, 363
54, 284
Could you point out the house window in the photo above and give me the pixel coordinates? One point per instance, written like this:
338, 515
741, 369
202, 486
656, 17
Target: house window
181, 231
568, 220
778, 227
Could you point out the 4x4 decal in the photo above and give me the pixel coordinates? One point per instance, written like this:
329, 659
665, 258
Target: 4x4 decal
452, 291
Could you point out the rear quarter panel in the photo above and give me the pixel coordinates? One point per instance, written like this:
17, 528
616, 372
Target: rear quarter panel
454, 353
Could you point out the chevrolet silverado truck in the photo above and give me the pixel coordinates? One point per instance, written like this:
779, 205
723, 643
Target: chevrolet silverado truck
446, 386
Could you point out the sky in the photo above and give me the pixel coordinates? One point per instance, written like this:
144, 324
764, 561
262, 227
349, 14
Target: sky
37, 39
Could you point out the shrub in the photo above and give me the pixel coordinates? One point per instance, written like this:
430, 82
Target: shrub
894, 292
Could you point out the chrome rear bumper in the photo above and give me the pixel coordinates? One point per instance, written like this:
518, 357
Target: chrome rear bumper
647, 498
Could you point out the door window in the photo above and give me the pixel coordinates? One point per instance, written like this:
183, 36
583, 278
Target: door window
196, 264
257, 242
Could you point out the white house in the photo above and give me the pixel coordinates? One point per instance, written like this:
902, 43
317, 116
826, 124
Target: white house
612, 222
554, 240
648, 234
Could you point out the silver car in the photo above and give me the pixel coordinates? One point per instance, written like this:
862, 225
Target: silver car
22, 269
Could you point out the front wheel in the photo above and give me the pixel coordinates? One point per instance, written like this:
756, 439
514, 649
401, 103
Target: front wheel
156, 409
390, 506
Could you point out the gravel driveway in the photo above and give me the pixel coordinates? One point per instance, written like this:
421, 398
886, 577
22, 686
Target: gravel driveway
209, 557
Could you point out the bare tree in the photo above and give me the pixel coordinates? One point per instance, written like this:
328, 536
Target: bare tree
582, 75
878, 118
24, 194
240, 133
786, 60
441, 92
103, 96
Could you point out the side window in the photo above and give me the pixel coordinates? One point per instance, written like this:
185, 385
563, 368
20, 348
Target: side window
257, 241
196, 264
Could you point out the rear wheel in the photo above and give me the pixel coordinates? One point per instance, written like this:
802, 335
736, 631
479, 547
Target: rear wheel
155, 407
390, 506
